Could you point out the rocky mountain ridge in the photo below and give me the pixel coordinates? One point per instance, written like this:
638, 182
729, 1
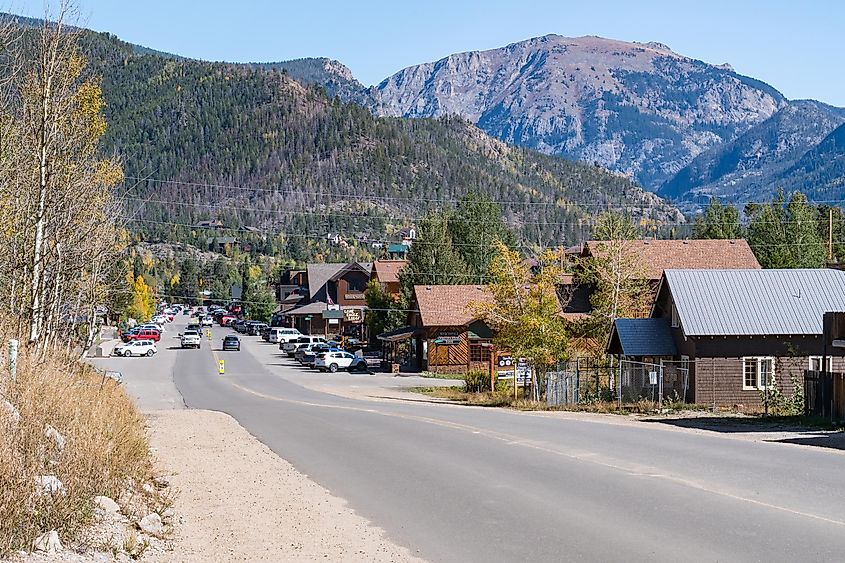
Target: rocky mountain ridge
638, 108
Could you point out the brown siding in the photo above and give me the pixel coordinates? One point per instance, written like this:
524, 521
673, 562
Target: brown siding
719, 380
448, 359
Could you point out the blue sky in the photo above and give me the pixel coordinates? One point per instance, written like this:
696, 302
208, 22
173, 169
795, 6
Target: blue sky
794, 46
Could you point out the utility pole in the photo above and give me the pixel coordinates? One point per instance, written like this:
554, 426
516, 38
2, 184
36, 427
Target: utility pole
830, 235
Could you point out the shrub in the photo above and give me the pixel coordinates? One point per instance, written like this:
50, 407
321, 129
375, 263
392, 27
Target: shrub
105, 447
477, 381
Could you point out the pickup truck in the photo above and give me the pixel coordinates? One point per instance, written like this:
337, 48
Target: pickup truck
290, 346
191, 339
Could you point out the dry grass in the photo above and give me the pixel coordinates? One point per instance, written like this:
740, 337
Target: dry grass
506, 399
105, 449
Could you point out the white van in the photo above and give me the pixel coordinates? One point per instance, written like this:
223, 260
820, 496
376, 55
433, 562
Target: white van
291, 346
278, 335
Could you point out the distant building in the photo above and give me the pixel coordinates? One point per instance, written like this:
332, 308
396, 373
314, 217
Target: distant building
386, 273
652, 258
219, 244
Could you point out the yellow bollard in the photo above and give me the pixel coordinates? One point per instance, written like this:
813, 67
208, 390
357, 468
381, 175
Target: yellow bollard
220, 368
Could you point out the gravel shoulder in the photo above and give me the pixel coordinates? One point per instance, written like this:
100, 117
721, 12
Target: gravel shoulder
238, 501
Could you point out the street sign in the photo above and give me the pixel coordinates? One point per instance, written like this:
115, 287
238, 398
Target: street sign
448, 341
220, 367
353, 315
308, 318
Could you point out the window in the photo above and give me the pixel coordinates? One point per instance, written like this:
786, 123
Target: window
757, 373
676, 321
479, 351
816, 363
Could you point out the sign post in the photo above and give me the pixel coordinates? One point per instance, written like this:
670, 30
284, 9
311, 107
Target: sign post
220, 367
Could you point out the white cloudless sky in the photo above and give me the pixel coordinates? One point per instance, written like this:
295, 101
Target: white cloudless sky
796, 46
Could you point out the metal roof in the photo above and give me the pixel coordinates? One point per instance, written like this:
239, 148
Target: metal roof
755, 302
644, 337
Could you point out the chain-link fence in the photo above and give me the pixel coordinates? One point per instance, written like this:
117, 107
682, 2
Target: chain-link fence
651, 382
582, 380
585, 380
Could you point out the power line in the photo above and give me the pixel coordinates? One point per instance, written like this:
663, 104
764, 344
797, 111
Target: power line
359, 195
415, 242
396, 216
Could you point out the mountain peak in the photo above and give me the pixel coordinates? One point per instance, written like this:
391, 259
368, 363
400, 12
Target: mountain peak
637, 108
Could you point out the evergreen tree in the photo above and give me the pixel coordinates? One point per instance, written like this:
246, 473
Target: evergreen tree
786, 235
432, 259
718, 222
187, 288
475, 228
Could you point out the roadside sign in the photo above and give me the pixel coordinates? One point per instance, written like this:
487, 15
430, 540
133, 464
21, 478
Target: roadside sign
220, 368
308, 318
208, 334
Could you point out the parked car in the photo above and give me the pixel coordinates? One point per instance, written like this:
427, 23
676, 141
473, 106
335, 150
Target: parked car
227, 320
361, 364
291, 346
309, 357
153, 326
302, 349
265, 333
135, 348
255, 328
333, 361
278, 335
142, 334
239, 325
191, 339
231, 342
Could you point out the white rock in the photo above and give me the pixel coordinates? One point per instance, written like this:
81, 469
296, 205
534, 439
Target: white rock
50, 485
168, 514
10, 411
48, 542
106, 504
151, 524
54, 435
148, 488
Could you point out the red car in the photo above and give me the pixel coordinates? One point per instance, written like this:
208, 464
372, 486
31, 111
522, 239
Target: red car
145, 334
226, 320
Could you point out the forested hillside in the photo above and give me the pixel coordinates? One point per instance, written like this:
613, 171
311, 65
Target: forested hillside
252, 147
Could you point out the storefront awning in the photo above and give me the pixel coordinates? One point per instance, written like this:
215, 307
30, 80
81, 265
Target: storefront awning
398, 335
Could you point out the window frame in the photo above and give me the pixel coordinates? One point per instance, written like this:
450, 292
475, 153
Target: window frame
675, 318
478, 344
820, 360
758, 363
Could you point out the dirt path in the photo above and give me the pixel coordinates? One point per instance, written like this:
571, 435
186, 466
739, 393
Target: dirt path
238, 501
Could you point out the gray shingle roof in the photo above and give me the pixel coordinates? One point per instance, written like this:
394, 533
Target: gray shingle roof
755, 302
645, 337
320, 274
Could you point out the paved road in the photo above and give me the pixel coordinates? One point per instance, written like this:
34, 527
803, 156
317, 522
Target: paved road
473, 484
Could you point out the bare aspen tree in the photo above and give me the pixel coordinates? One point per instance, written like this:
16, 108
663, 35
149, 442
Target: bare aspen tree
60, 241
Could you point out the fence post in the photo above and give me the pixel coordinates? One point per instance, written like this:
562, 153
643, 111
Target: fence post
660, 387
619, 385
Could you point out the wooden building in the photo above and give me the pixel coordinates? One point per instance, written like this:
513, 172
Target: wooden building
386, 273
737, 331
447, 336
651, 258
